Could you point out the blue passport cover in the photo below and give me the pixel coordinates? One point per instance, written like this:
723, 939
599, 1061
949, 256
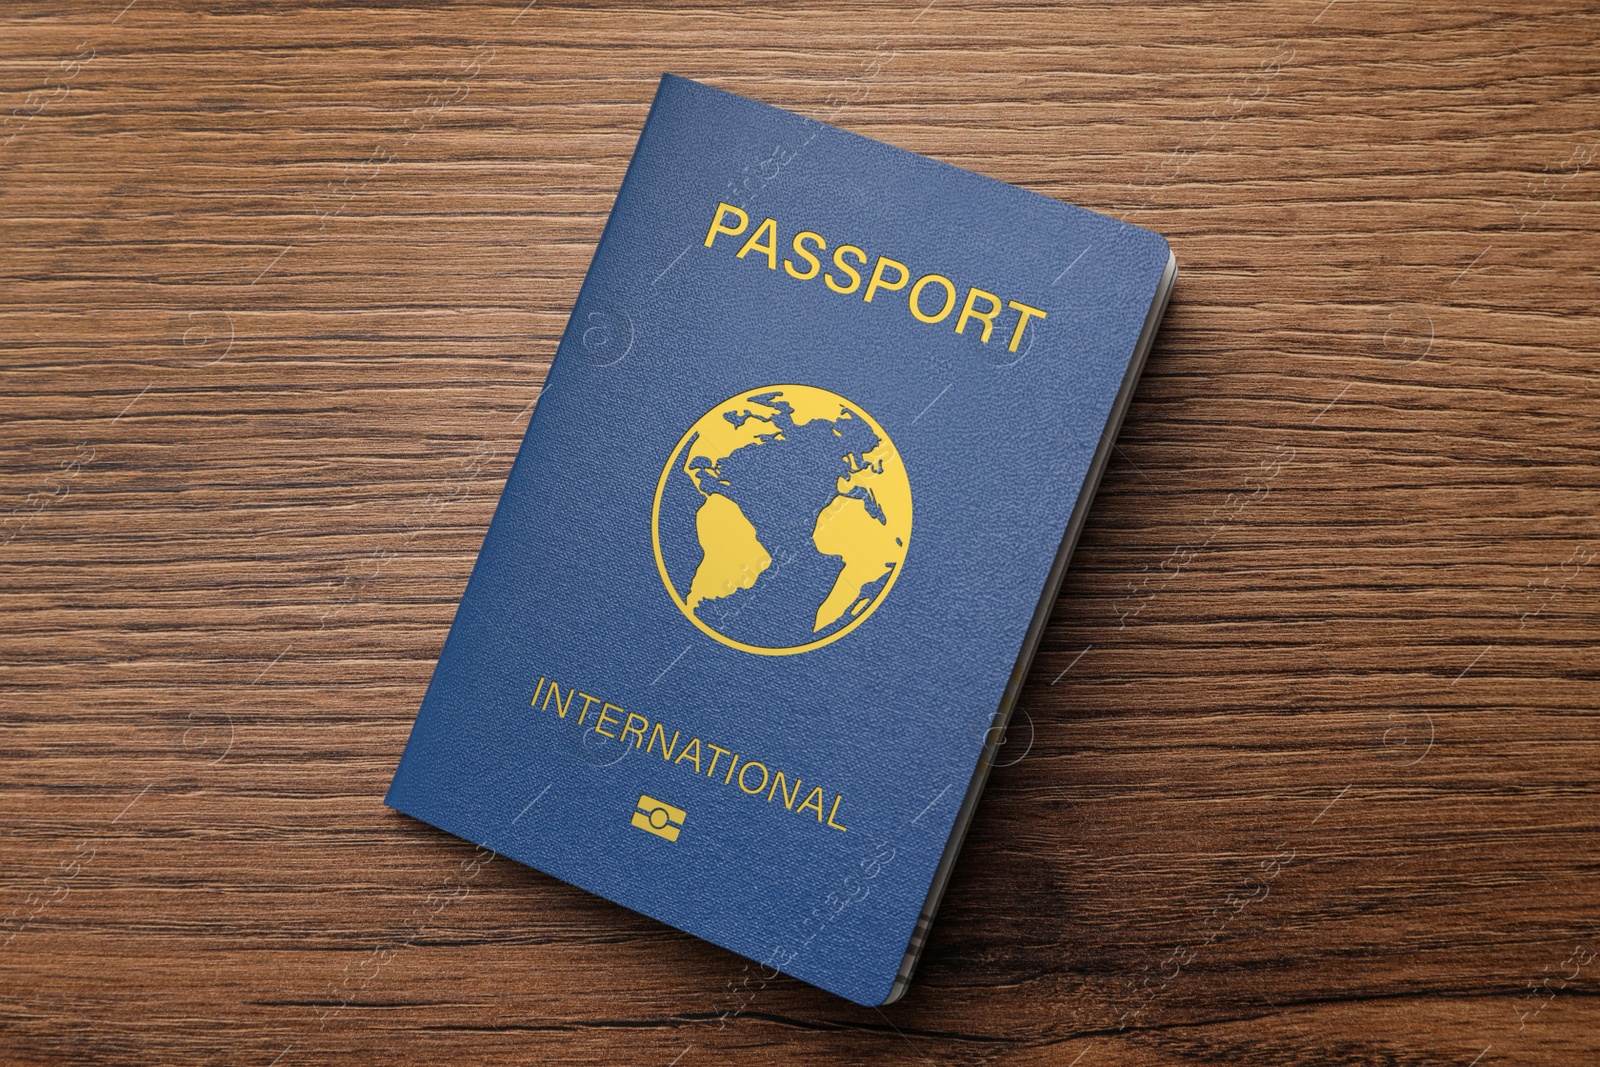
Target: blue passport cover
772, 548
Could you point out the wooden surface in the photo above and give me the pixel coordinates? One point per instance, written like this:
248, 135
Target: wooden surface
1305, 771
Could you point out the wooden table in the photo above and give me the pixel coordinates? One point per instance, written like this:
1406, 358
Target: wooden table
1305, 772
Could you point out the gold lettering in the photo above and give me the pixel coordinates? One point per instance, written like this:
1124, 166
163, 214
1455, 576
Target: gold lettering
1022, 323
666, 753
768, 228
879, 281
804, 253
969, 310
645, 735
717, 226
555, 691
813, 801
759, 788
603, 718
848, 273
835, 811
778, 782
629, 728
949, 297
854, 275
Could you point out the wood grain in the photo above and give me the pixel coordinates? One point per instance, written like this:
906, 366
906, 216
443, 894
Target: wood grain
1305, 772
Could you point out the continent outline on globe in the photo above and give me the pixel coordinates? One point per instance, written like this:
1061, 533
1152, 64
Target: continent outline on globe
781, 519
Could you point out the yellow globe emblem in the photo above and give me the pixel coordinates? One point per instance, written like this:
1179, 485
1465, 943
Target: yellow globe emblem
781, 519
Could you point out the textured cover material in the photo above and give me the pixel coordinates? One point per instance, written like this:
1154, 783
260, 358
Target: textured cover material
771, 549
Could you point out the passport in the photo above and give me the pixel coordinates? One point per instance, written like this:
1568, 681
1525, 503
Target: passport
783, 535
